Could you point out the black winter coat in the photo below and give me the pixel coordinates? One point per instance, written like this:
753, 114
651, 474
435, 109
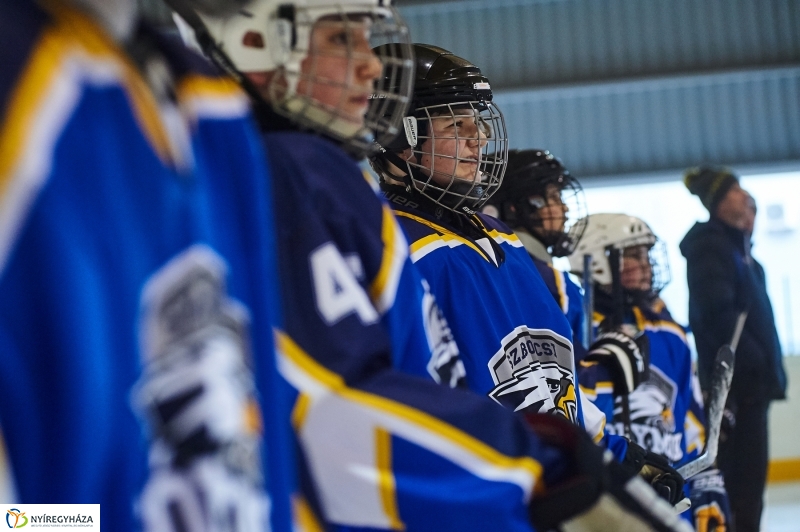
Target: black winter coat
723, 279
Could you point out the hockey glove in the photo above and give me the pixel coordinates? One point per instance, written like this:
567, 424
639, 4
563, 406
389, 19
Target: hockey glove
627, 358
598, 493
710, 507
655, 469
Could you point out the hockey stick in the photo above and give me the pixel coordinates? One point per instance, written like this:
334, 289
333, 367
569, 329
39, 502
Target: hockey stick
588, 301
720, 386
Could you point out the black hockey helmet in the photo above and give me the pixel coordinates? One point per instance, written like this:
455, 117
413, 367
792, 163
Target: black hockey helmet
448, 90
535, 179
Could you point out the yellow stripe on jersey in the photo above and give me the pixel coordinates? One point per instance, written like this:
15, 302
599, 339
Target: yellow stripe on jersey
658, 325
599, 436
304, 518
202, 96
383, 452
383, 288
600, 387
505, 238
70, 44
695, 433
563, 300
326, 388
300, 410
501, 238
425, 245
196, 85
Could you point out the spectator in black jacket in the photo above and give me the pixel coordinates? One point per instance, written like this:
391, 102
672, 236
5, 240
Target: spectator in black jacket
724, 280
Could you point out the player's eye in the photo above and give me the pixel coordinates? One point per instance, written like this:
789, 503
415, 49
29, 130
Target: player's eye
485, 128
339, 38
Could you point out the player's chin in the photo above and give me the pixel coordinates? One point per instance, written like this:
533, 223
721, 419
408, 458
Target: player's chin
468, 172
354, 112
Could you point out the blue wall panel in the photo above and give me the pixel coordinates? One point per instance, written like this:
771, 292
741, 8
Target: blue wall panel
541, 42
654, 124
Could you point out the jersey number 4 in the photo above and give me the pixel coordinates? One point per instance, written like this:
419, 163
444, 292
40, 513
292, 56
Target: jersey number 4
336, 289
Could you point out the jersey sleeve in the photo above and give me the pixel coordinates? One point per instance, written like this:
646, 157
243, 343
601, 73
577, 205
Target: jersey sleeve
575, 314
597, 386
386, 449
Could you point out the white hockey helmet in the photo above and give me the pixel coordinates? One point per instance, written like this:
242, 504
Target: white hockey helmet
275, 36
620, 231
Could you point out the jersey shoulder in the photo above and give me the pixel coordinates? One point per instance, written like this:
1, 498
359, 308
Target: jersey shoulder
419, 225
500, 232
657, 319
317, 168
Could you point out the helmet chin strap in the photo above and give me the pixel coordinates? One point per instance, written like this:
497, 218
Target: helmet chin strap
398, 162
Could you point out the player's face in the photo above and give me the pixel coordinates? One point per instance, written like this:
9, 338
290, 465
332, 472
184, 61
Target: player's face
454, 147
637, 274
340, 68
553, 211
733, 208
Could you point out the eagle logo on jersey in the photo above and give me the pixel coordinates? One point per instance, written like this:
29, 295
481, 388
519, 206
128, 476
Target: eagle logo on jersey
445, 365
196, 398
533, 371
652, 419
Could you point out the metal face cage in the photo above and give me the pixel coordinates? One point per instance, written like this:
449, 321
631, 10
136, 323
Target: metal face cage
656, 257
337, 85
659, 263
460, 153
576, 217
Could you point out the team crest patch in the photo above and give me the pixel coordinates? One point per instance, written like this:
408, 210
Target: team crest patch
196, 399
533, 371
652, 419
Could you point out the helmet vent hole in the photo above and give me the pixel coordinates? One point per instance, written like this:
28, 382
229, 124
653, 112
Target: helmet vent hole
253, 39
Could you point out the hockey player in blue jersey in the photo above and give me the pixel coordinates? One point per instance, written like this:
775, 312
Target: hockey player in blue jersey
659, 406
516, 344
384, 449
543, 203
137, 283
545, 206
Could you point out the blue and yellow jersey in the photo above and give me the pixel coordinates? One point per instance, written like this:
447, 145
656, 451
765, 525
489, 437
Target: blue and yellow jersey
667, 410
569, 297
363, 344
131, 233
514, 340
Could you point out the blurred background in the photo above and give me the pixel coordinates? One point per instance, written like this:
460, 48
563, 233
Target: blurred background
629, 93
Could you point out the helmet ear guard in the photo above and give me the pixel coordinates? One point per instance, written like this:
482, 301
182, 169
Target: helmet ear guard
275, 36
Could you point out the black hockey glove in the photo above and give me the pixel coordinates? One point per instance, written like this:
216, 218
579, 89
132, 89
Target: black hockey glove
599, 494
655, 469
627, 358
